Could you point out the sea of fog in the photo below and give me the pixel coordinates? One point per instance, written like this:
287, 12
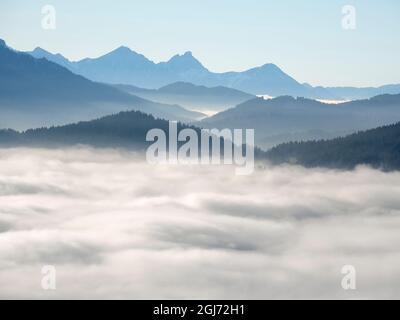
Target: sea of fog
116, 227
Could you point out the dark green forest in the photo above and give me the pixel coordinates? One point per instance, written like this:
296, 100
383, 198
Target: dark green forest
125, 129
378, 148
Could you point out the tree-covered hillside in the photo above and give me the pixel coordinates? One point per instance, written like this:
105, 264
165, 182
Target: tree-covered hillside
379, 148
125, 129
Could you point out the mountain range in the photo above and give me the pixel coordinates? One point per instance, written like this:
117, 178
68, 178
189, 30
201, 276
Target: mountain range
351, 93
285, 118
194, 97
37, 92
125, 66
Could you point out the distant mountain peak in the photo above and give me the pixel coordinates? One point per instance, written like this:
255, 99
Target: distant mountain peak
123, 49
186, 60
2, 43
39, 50
58, 58
124, 53
188, 54
285, 98
271, 67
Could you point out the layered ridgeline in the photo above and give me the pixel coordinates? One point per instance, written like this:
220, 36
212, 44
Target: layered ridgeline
285, 119
352, 93
131, 131
191, 96
37, 92
378, 148
124, 66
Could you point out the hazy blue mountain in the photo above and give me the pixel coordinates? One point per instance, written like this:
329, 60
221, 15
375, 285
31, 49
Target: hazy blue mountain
125, 66
379, 148
267, 79
118, 66
37, 92
39, 53
286, 118
182, 64
351, 93
192, 96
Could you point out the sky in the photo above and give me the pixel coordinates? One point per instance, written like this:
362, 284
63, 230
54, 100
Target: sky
304, 38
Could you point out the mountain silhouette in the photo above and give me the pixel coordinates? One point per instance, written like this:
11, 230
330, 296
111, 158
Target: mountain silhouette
351, 93
125, 66
285, 118
37, 92
183, 63
195, 97
58, 58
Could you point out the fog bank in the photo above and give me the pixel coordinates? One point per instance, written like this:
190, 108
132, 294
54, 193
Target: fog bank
117, 227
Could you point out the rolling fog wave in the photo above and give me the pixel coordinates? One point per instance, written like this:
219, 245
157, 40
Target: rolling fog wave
117, 227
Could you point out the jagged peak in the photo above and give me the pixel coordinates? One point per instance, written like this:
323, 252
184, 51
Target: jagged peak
39, 52
187, 60
187, 55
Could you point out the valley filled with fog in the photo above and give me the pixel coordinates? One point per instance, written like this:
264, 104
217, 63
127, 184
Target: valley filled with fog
116, 227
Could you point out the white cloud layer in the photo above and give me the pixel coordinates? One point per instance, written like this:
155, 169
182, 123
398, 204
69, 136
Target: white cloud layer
116, 227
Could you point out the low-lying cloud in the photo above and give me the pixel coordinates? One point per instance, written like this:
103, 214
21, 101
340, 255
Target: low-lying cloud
117, 227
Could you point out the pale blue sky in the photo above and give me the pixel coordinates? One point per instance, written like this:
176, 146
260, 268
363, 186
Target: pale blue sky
305, 38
